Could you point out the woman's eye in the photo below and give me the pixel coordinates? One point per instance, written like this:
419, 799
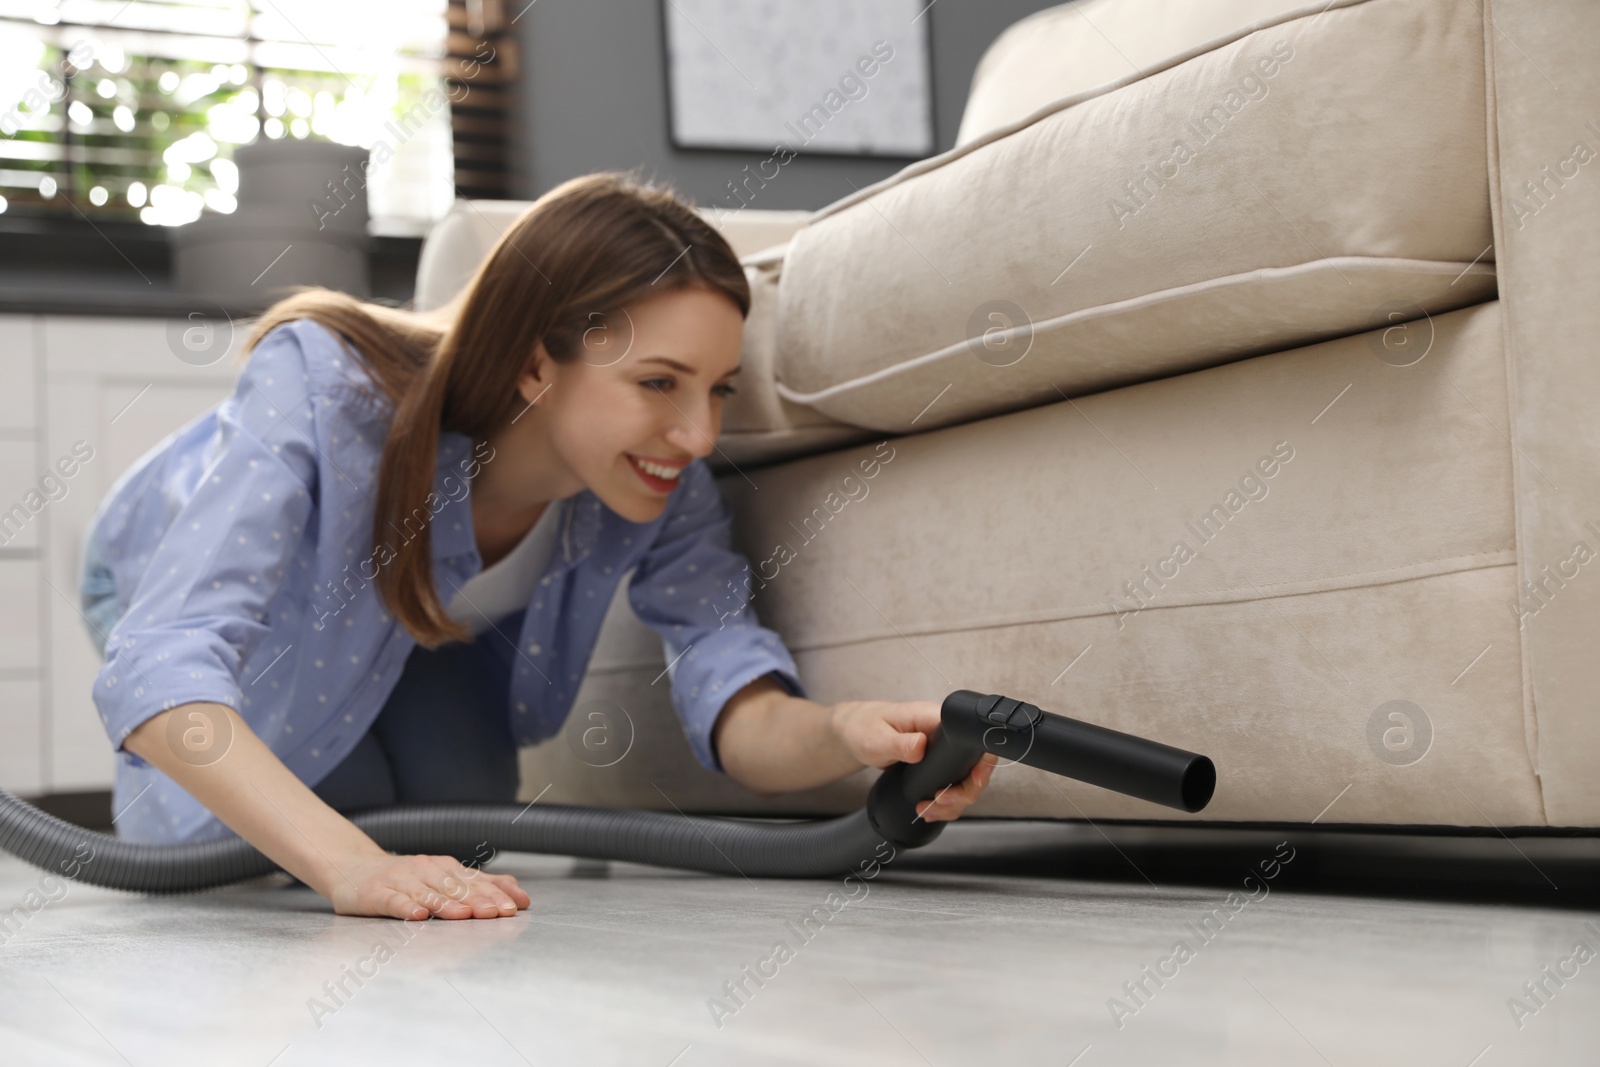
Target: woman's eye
661, 384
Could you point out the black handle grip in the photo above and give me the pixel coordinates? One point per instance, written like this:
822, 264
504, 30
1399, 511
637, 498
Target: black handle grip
944, 762
892, 804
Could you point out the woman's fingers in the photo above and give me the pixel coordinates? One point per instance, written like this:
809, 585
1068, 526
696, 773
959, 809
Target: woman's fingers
881, 732
401, 905
509, 886
920, 715
501, 889
880, 743
417, 886
480, 894
911, 746
951, 802
948, 803
426, 886
491, 889
439, 877
451, 890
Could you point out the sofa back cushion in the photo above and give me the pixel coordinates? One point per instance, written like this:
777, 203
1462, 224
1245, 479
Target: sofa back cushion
1077, 47
1312, 175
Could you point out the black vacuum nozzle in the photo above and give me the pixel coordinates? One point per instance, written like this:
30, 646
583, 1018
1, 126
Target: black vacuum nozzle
974, 723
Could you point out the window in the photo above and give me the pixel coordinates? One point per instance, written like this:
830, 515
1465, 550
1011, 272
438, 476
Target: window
132, 108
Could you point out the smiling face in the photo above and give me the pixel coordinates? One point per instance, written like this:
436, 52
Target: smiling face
643, 399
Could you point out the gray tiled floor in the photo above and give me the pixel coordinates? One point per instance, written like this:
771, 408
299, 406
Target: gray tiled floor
1363, 950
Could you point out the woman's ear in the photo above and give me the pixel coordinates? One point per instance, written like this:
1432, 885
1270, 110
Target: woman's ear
536, 377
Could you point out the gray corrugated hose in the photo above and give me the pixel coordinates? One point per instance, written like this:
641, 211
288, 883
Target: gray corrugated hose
807, 849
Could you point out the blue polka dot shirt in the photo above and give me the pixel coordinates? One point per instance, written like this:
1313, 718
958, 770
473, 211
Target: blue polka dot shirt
240, 547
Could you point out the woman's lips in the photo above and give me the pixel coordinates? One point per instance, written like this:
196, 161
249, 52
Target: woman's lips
655, 482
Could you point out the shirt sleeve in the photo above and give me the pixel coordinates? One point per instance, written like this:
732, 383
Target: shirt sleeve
199, 609
690, 588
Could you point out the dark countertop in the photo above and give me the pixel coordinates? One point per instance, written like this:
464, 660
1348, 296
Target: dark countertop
79, 299
60, 266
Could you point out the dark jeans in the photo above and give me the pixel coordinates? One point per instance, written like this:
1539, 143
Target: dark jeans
443, 736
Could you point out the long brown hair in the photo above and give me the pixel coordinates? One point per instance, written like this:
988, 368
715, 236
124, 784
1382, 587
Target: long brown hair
588, 247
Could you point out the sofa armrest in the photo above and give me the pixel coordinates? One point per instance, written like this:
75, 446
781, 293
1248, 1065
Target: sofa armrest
751, 231
459, 241
1544, 158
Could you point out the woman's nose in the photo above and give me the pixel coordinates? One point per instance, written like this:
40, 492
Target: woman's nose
696, 429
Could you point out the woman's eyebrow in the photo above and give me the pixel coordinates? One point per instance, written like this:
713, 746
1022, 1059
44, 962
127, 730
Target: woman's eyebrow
684, 367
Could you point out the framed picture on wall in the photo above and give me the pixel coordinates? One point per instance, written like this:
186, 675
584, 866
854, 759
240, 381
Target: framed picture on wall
829, 77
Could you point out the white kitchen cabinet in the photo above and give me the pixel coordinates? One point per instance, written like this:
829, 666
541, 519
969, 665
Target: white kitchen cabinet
22, 653
116, 386
22, 727
21, 650
19, 373
22, 498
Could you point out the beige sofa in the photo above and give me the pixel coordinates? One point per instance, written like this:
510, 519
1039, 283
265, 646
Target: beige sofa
1238, 368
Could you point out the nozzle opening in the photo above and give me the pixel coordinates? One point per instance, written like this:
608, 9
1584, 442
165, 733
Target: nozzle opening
1199, 782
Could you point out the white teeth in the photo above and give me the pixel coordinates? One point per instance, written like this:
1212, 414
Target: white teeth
669, 473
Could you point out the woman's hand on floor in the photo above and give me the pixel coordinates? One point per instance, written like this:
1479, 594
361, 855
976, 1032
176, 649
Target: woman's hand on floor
415, 887
882, 732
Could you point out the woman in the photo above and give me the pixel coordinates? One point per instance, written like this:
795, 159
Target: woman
269, 584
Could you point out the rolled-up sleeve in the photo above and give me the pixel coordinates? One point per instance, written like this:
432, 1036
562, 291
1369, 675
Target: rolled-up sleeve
690, 588
199, 609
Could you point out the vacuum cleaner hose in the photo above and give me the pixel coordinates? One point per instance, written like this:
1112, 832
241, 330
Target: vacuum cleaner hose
722, 846
971, 724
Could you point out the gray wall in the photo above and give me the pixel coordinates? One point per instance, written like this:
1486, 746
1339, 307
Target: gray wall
592, 96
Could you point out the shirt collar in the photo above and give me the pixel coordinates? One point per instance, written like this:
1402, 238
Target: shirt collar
580, 524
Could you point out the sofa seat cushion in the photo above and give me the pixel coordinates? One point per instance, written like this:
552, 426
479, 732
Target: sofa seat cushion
1319, 174
1351, 540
